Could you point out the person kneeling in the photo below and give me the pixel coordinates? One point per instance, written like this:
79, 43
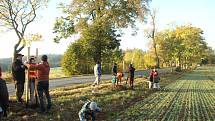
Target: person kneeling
88, 111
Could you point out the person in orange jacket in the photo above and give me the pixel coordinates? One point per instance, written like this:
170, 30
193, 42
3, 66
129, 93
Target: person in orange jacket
43, 81
32, 76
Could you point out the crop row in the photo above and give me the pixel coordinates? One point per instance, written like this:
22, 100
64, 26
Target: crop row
189, 98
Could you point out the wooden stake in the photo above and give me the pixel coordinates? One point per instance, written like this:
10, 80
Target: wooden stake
27, 82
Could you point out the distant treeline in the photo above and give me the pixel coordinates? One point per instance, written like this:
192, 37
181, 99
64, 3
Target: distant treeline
53, 59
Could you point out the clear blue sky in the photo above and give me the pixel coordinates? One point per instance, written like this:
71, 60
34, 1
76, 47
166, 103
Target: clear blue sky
199, 13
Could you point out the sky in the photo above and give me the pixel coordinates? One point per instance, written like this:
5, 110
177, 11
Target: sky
199, 13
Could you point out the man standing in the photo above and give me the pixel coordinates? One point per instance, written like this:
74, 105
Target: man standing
18, 72
131, 75
43, 81
97, 73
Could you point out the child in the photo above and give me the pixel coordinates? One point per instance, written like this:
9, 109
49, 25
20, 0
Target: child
114, 80
119, 77
88, 111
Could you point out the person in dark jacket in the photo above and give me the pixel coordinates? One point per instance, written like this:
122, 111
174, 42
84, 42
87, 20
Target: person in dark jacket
114, 75
43, 81
18, 72
4, 97
131, 75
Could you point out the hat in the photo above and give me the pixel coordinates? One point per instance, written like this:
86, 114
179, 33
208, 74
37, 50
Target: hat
44, 58
93, 106
19, 54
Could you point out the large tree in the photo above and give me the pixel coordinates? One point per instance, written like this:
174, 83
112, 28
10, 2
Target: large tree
98, 22
17, 15
151, 33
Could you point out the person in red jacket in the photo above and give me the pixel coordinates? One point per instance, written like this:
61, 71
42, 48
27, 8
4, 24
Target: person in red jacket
32, 75
43, 81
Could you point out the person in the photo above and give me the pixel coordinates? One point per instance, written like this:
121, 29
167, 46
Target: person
18, 73
114, 69
97, 73
119, 77
151, 79
114, 74
156, 80
88, 111
43, 81
4, 97
32, 75
131, 76
114, 80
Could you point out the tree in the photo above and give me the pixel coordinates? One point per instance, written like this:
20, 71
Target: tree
137, 56
184, 44
17, 15
151, 33
98, 22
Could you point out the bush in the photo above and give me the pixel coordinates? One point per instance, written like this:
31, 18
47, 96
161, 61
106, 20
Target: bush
178, 69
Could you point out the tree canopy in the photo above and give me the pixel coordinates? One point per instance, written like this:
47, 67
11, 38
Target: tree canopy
98, 22
184, 44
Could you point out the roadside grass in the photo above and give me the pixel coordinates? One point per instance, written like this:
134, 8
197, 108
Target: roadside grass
67, 101
55, 73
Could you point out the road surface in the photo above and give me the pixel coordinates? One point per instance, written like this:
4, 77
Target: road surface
63, 82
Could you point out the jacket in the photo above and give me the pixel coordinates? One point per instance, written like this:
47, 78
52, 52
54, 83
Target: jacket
85, 112
18, 71
43, 70
131, 72
4, 96
97, 70
114, 70
32, 74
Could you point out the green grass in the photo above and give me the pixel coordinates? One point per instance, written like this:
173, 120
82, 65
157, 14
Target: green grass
189, 98
68, 101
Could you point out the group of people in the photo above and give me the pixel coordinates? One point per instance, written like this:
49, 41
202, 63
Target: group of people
38, 78
117, 76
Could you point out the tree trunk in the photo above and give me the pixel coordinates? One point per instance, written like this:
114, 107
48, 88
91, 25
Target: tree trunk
156, 54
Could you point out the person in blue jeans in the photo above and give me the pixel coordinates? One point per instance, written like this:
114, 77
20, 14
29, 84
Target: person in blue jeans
88, 111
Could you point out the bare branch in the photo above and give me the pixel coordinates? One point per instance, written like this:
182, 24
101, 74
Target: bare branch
20, 49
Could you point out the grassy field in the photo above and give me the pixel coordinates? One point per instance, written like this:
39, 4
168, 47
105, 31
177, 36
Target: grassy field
68, 101
189, 98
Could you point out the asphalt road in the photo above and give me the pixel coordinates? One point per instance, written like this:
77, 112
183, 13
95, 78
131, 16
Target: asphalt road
63, 82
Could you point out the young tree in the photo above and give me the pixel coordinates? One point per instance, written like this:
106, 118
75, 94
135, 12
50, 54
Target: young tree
17, 15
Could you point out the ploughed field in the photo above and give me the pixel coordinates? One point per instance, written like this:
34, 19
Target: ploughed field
190, 97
